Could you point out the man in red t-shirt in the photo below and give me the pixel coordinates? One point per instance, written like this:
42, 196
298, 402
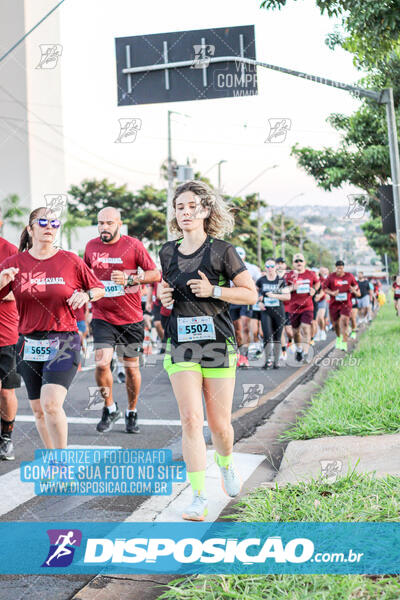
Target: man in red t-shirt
9, 378
302, 284
339, 286
118, 317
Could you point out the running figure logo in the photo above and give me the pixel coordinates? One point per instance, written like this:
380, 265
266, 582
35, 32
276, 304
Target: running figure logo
330, 470
357, 205
251, 394
128, 129
50, 54
97, 396
202, 55
56, 203
62, 547
278, 129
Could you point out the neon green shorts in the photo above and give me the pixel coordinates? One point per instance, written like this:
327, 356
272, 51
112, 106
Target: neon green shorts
206, 372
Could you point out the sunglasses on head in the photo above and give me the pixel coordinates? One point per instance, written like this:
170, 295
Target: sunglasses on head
55, 223
298, 260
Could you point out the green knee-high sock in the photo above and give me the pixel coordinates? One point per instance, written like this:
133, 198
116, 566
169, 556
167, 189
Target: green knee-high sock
223, 461
197, 480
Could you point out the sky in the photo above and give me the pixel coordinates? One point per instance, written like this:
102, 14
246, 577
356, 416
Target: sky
229, 129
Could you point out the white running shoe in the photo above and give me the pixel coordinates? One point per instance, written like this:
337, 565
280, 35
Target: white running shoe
323, 336
198, 509
230, 479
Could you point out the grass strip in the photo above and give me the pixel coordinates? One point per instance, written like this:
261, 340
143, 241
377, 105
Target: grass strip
362, 396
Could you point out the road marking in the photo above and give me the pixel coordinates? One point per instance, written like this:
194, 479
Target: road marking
15, 492
300, 371
94, 421
170, 508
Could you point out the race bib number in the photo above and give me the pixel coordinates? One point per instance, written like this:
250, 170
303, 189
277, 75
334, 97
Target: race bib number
304, 288
40, 350
342, 297
192, 329
113, 289
271, 301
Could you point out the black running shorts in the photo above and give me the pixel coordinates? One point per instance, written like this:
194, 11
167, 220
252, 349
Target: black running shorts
128, 339
60, 369
9, 377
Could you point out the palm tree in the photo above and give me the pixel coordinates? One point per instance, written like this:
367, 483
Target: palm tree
12, 213
70, 224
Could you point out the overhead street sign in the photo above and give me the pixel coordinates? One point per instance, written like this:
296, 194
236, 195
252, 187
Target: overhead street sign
186, 65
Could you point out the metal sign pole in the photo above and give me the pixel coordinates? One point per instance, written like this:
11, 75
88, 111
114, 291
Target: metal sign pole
170, 191
387, 98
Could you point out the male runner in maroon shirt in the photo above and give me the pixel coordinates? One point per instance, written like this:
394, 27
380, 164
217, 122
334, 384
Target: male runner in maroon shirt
302, 284
118, 317
9, 378
340, 285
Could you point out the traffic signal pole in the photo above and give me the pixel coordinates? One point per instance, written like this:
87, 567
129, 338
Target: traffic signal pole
381, 97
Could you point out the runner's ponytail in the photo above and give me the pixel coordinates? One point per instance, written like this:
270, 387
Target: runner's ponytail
25, 241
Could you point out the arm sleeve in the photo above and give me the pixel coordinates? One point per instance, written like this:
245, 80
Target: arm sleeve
87, 279
143, 258
233, 264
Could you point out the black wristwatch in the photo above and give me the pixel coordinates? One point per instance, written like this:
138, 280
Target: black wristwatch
130, 281
90, 294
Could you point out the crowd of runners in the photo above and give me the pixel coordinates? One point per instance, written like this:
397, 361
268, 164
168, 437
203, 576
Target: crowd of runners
205, 308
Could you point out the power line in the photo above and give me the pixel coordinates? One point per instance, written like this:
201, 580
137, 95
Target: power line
30, 31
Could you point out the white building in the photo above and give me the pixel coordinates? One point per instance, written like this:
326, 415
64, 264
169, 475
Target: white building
31, 123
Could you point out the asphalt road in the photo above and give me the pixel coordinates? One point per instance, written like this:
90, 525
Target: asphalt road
160, 428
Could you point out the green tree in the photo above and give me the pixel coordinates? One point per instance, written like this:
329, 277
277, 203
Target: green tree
12, 213
144, 212
70, 226
369, 29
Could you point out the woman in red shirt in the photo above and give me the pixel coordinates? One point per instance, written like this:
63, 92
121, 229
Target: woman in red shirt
46, 282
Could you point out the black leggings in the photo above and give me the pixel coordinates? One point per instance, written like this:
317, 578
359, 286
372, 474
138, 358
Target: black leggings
272, 322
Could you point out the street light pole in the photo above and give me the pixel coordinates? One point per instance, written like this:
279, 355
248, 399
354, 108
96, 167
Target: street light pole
170, 192
394, 160
258, 230
170, 177
219, 175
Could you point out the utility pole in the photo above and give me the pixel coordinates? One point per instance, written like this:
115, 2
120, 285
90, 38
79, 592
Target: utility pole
219, 175
273, 233
170, 177
170, 192
258, 230
387, 268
